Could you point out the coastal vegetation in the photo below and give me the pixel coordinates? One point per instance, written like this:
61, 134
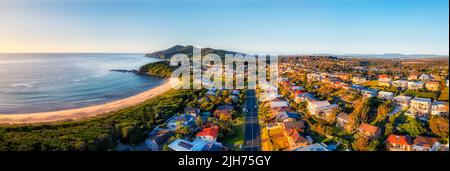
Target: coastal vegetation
158, 69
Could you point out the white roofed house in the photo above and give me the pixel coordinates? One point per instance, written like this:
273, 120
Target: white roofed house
403, 101
417, 85
420, 107
400, 84
321, 108
368, 93
385, 95
313, 77
358, 79
439, 108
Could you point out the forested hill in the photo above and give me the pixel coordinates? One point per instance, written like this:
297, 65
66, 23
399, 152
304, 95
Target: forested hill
166, 54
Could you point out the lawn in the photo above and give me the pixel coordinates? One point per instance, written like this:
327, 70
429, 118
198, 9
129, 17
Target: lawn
238, 136
372, 84
444, 95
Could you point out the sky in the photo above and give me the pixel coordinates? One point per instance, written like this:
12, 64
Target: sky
248, 26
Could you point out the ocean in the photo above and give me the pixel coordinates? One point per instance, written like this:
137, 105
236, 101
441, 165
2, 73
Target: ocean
48, 82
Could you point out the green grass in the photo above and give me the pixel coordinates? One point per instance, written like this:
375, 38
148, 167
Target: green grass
444, 95
372, 84
238, 136
432, 95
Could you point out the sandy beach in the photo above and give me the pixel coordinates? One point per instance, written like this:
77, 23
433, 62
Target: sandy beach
84, 112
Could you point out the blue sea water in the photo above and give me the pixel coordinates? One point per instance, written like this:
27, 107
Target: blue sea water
48, 82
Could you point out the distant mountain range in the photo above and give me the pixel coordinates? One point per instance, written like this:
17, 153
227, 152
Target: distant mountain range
387, 55
165, 54
179, 49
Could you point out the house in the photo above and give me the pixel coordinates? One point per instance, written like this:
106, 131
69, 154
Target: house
422, 143
420, 107
295, 140
368, 93
191, 111
417, 85
385, 84
208, 134
305, 97
277, 136
432, 85
358, 79
398, 143
297, 125
400, 84
321, 108
287, 116
369, 131
196, 145
383, 78
279, 104
425, 77
403, 101
174, 122
439, 108
158, 138
313, 77
412, 77
315, 147
342, 120
223, 114
385, 95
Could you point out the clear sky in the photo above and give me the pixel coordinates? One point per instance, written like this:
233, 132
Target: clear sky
249, 26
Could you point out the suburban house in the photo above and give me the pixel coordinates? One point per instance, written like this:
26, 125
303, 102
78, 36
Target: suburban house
321, 108
439, 108
342, 120
398, 143
313, 77
277, 136
223, 114
279, 104
403, 101
400, 84
425, 77
305, 97
385, 95
417, 85
158, 138
174, 122
422, 143
191, 111
287, 116
383, 78
412, 77
432, 85
295, 139
368, 93
196, 145
369, 131
208, 134
358, 79
317, 147
420, 107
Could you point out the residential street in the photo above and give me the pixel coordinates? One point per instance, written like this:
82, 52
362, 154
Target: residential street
252, 139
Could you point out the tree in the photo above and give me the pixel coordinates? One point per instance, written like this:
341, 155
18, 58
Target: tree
382, 112
361, 144
412, 127
374, 145
439, 126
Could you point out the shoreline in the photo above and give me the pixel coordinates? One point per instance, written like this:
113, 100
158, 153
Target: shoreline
84, 112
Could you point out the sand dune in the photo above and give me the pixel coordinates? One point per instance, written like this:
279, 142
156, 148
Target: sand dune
84, 112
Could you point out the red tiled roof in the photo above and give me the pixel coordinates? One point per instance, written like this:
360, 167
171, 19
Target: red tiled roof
368, 128
211, 131
398, 139
425, 141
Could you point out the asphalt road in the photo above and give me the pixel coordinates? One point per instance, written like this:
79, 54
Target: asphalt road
252, 139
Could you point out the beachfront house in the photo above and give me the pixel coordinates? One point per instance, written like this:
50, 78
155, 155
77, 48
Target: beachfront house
403, 101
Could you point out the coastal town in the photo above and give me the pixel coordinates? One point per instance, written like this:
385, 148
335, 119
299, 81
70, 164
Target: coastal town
322, 103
